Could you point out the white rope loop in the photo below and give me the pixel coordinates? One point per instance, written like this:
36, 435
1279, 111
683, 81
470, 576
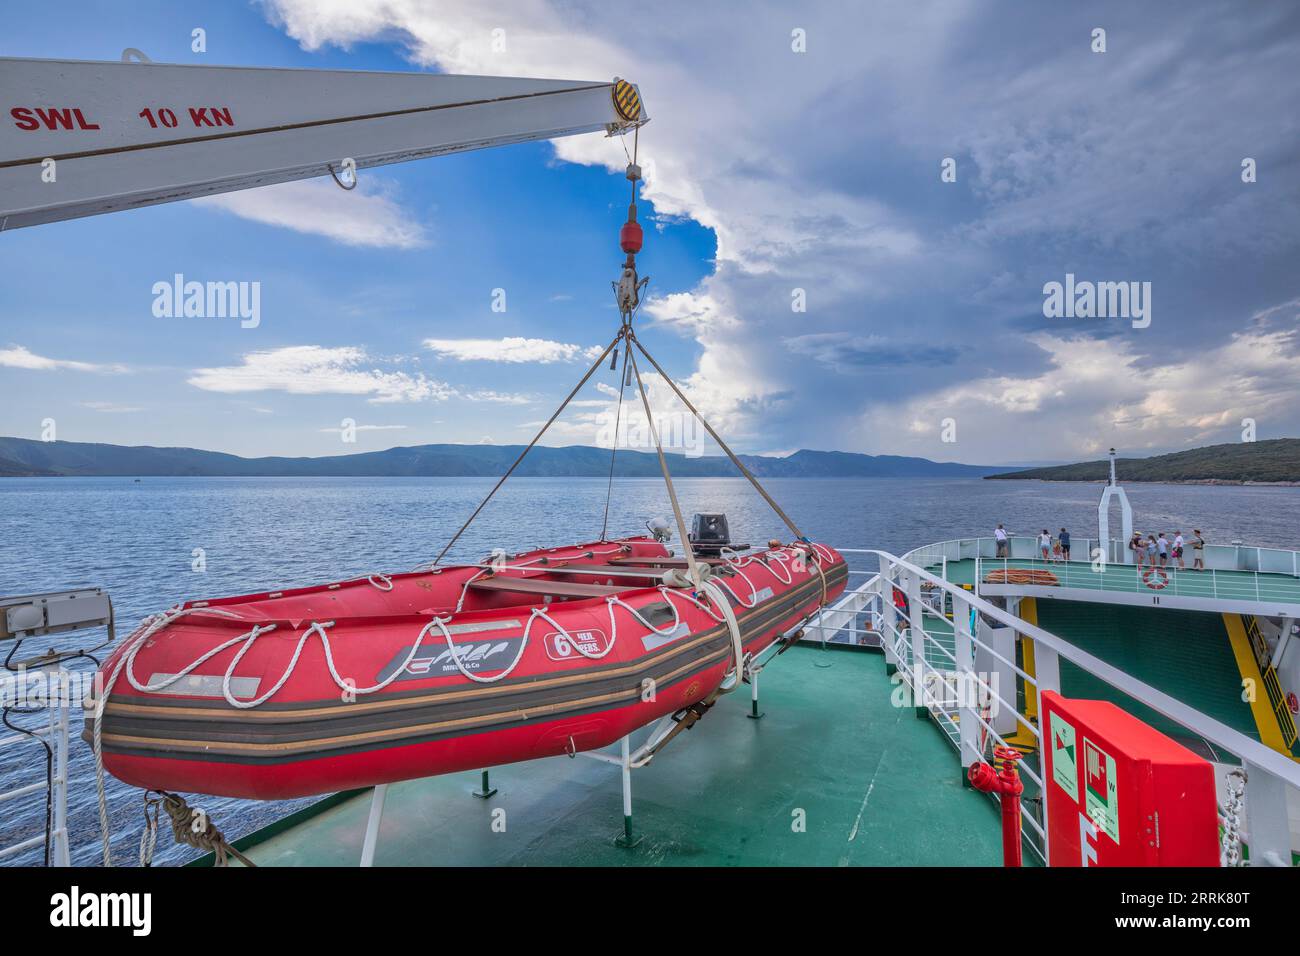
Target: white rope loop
613, 625
441, 624
734, 561
384, 582
780, 558
253, 635
668, 592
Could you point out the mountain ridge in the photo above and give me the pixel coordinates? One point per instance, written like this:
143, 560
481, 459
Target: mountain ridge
22, 456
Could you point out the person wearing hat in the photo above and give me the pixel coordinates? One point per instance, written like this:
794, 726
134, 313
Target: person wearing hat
1137, 547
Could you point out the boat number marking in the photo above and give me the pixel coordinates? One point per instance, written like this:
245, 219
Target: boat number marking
560, 647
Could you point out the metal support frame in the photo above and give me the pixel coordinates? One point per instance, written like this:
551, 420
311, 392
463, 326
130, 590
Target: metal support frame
968, 727
60, 696
262, 132
372, 824
626, 762
916, 631
486, 790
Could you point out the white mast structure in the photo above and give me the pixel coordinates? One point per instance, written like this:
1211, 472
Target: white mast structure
1113, 490
79, 137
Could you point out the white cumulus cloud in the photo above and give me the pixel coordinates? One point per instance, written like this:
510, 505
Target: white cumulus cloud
18, 356
316, 370
513, 349
358, 217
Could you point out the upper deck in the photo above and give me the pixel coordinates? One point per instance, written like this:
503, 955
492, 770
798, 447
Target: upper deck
1241, 580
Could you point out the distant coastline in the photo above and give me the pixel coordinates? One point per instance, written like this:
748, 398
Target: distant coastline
1157, 481
1272, 462
21, 457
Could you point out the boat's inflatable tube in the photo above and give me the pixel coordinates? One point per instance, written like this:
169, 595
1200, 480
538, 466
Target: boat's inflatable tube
386, 678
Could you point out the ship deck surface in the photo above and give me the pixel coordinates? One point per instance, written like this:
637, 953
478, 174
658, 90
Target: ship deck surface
1225, 585
877, 786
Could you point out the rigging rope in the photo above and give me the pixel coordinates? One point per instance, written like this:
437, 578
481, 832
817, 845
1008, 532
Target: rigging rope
668, 478
714, 435
618, 414
536, 438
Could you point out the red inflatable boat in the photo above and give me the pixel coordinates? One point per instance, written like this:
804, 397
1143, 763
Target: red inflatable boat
364, 682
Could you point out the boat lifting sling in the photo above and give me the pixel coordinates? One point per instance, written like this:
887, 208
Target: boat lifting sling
627, 294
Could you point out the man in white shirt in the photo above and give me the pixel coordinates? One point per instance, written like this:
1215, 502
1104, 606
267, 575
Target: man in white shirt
1001, 535
1178, 549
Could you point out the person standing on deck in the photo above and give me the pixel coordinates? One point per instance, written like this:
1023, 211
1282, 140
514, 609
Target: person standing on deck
1162, 546
1178, 549
1137, 547
1151, 550
1065, 544
1045, 545
1000, 535
1198, 551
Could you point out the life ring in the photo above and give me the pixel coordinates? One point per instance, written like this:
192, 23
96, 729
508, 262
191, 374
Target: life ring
1158, 585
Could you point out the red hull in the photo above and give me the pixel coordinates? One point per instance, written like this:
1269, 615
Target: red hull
567, 682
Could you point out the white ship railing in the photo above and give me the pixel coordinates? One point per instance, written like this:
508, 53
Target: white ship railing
53, 692
1222, 557
940, 676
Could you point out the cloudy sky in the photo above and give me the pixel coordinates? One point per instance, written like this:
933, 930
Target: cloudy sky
775, 176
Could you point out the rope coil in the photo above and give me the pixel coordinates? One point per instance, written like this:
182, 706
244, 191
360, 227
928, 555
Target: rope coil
190, 827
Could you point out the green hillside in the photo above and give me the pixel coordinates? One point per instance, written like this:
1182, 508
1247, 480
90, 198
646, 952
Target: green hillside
1276, 460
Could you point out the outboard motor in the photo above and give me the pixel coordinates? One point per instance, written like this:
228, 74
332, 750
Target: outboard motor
709, 534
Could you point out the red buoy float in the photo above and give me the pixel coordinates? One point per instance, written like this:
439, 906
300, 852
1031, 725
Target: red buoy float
630, 236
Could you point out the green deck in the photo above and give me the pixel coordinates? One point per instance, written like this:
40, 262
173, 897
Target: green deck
878, 786
1125, 578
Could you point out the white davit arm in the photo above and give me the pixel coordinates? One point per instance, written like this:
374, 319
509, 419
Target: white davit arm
79, 138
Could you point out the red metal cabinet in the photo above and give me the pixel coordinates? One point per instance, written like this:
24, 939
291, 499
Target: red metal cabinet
1120, 793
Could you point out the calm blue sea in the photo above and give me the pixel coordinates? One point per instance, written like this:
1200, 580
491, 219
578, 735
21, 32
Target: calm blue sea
138, 539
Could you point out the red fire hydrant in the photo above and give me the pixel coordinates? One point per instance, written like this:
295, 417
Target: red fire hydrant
1008, 786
